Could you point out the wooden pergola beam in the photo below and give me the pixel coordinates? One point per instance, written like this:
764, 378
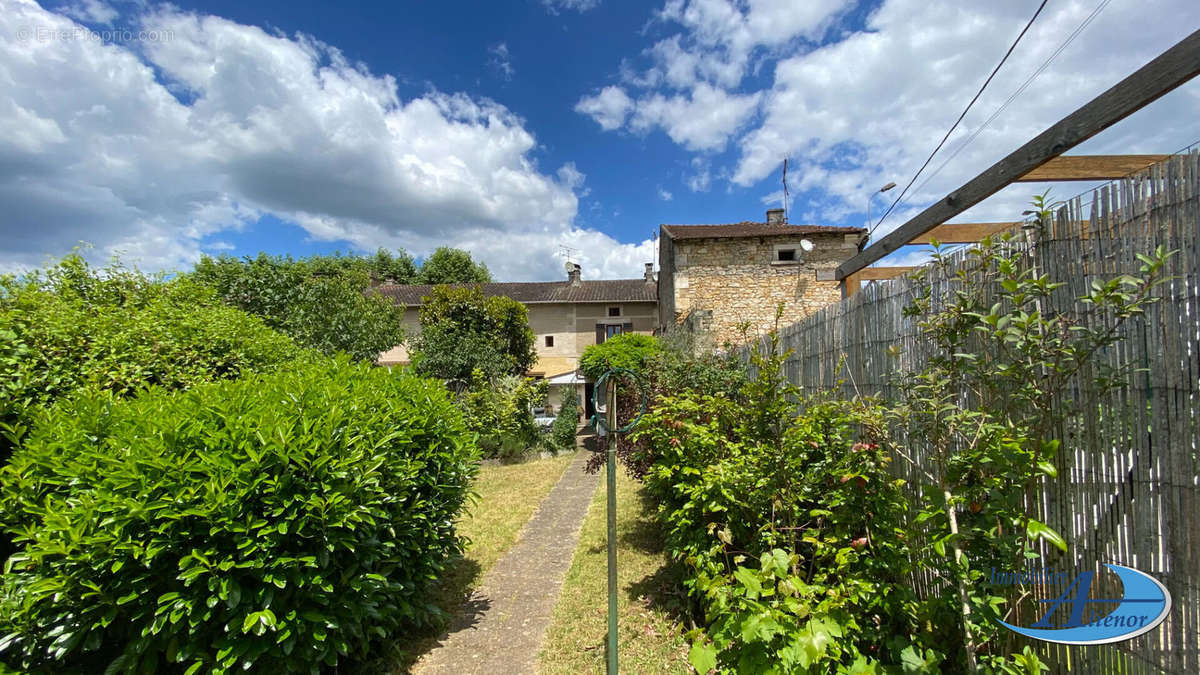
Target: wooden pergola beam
1090, 167
854, 281
962, 233
1170, 69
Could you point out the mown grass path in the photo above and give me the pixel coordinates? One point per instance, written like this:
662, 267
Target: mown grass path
503, 625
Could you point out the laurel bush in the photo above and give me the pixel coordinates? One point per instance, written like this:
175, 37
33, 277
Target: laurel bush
282, 523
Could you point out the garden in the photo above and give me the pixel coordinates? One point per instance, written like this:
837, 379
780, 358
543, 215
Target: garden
808, 535
208, 473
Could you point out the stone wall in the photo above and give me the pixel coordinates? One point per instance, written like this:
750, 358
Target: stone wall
737, 280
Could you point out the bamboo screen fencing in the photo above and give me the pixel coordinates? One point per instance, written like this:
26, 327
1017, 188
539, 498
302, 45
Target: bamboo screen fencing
1128, 485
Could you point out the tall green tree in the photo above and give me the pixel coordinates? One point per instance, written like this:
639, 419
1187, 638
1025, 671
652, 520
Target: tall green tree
324, 303
463, 331
452, 266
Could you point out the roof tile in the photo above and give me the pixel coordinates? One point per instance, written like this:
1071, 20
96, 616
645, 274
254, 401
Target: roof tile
606, 290
749, 229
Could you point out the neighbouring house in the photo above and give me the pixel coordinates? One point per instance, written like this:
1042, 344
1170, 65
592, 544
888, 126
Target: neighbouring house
712, 278
566, 317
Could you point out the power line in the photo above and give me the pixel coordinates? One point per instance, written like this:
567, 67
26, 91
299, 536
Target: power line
964, 112
1015, 94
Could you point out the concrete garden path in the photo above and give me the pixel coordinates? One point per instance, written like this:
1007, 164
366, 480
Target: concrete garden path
504, 623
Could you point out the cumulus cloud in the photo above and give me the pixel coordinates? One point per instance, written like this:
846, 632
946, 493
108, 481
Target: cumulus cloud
703, 66
855, 109
702, 121
153, 148
664, 194
867, 110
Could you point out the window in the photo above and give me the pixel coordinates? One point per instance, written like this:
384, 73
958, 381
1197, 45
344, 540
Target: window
785, 254
614, 311
612, 330
549, 340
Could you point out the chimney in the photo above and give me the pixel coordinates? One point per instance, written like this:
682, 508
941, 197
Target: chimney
574, 275
649, 273
775, 216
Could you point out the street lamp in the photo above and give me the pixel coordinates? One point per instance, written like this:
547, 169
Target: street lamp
870, 229
871, 196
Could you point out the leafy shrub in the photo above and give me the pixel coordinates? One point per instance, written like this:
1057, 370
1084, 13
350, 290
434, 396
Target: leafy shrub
562, 432
629, 351
501, 412
323, 304
674, 366
280, 522
463, 331
789, 526
72, 326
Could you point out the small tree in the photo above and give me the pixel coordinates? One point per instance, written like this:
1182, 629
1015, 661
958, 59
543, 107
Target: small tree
987, 407
452, 266
462, 331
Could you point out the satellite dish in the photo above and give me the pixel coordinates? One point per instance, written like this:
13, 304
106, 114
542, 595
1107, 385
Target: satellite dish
570, 266
806, 245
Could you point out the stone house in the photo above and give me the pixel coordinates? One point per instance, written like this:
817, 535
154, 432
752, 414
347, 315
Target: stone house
566, 317
714, 277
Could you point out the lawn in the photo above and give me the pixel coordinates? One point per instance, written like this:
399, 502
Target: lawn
649, 605
508, 496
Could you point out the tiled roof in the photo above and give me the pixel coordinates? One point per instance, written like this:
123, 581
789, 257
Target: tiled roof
610, 290
748, 229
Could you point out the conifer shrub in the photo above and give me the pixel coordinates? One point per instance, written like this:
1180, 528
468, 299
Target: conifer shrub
281, 523
566, 424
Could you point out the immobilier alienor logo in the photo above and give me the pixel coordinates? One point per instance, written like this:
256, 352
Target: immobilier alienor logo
1144, 603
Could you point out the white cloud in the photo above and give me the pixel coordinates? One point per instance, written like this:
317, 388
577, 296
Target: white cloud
150, 150
556, 6
854, 110
501, 60
664, 194
702, 121
704, 65
609, 107
868, 109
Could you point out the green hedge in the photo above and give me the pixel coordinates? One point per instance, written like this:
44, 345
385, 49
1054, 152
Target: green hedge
276, 522
73, 327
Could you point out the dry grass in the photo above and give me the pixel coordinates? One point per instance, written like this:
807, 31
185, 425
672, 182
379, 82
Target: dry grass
508, 496
650, 636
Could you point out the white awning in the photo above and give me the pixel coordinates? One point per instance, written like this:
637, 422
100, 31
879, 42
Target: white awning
567, 378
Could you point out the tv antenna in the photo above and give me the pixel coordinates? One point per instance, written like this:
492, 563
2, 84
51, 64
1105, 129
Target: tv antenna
569, 253
785, 191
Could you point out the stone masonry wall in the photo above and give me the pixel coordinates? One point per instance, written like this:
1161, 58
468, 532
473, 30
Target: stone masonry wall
737, 280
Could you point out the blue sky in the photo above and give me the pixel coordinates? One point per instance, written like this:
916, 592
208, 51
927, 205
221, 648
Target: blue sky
511, 129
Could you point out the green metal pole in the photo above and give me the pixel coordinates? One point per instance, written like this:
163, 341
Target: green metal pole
612, 526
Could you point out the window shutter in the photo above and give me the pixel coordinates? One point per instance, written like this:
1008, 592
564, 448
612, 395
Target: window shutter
599, 333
